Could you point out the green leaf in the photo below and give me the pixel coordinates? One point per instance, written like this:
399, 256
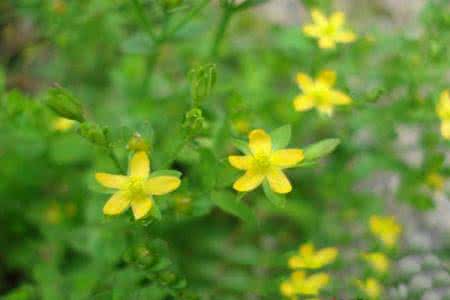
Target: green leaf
320, 149
241, 145
228, 203
166, 173
305, 164
281, 137
155, 212
276, 199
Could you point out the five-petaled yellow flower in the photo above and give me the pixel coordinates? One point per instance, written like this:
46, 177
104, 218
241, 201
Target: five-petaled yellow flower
309, 258
377, 260
319, 93
386, 229
371, 287
136, 189
300, 284
328, 31
264, 163
443, 111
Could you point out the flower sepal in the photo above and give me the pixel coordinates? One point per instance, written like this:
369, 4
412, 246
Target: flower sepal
278, 200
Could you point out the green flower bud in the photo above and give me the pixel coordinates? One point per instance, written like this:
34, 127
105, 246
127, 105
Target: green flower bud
93, 133
138, 143
64, 104
194, 121
202, 80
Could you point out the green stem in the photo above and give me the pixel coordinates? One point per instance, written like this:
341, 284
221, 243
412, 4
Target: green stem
175, 153
227, 12
116, 161
188, 17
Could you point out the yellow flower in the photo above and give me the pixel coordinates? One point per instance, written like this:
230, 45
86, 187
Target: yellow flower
136, 189
386, 229
443, 111
319, 93
309, 258
435, 181
300, 284
371, 287
328, 31
377, 260
62, 124
263, 163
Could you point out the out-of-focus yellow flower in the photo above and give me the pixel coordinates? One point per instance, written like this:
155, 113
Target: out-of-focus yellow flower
328, 31
300, 284
371, 287
435, 181
319, 93
263, 163
443, 111
377, 260
386, 229
136, 189
53, 214
62, 124
309, 258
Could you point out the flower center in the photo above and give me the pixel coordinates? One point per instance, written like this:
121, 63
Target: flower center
262, 162
329, 30
135, 187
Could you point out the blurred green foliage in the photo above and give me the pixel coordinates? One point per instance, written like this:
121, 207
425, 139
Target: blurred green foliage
191, 77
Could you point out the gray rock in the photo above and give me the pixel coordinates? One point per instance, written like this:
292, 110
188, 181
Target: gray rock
409, 265
420, 282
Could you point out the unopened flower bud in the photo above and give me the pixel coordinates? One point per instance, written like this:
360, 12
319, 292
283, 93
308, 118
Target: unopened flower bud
64, 104
93, 133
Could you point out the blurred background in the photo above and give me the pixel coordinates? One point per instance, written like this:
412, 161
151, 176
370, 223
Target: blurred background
128, 61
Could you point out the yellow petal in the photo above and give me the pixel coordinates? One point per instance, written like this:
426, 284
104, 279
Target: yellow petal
443, 106
249, 181
327, 43
315, 282
141, 207
161, 185
327, 77
306, 249
318, 17
287, 289
325, 256
337, 19
339, 98
287, 157
140, 165
298, 277
312, 30
345, 37
445, 129
295, 262
260, 142
278, 182
117, 204
304, 82
240, 162
303, 102
111, 180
